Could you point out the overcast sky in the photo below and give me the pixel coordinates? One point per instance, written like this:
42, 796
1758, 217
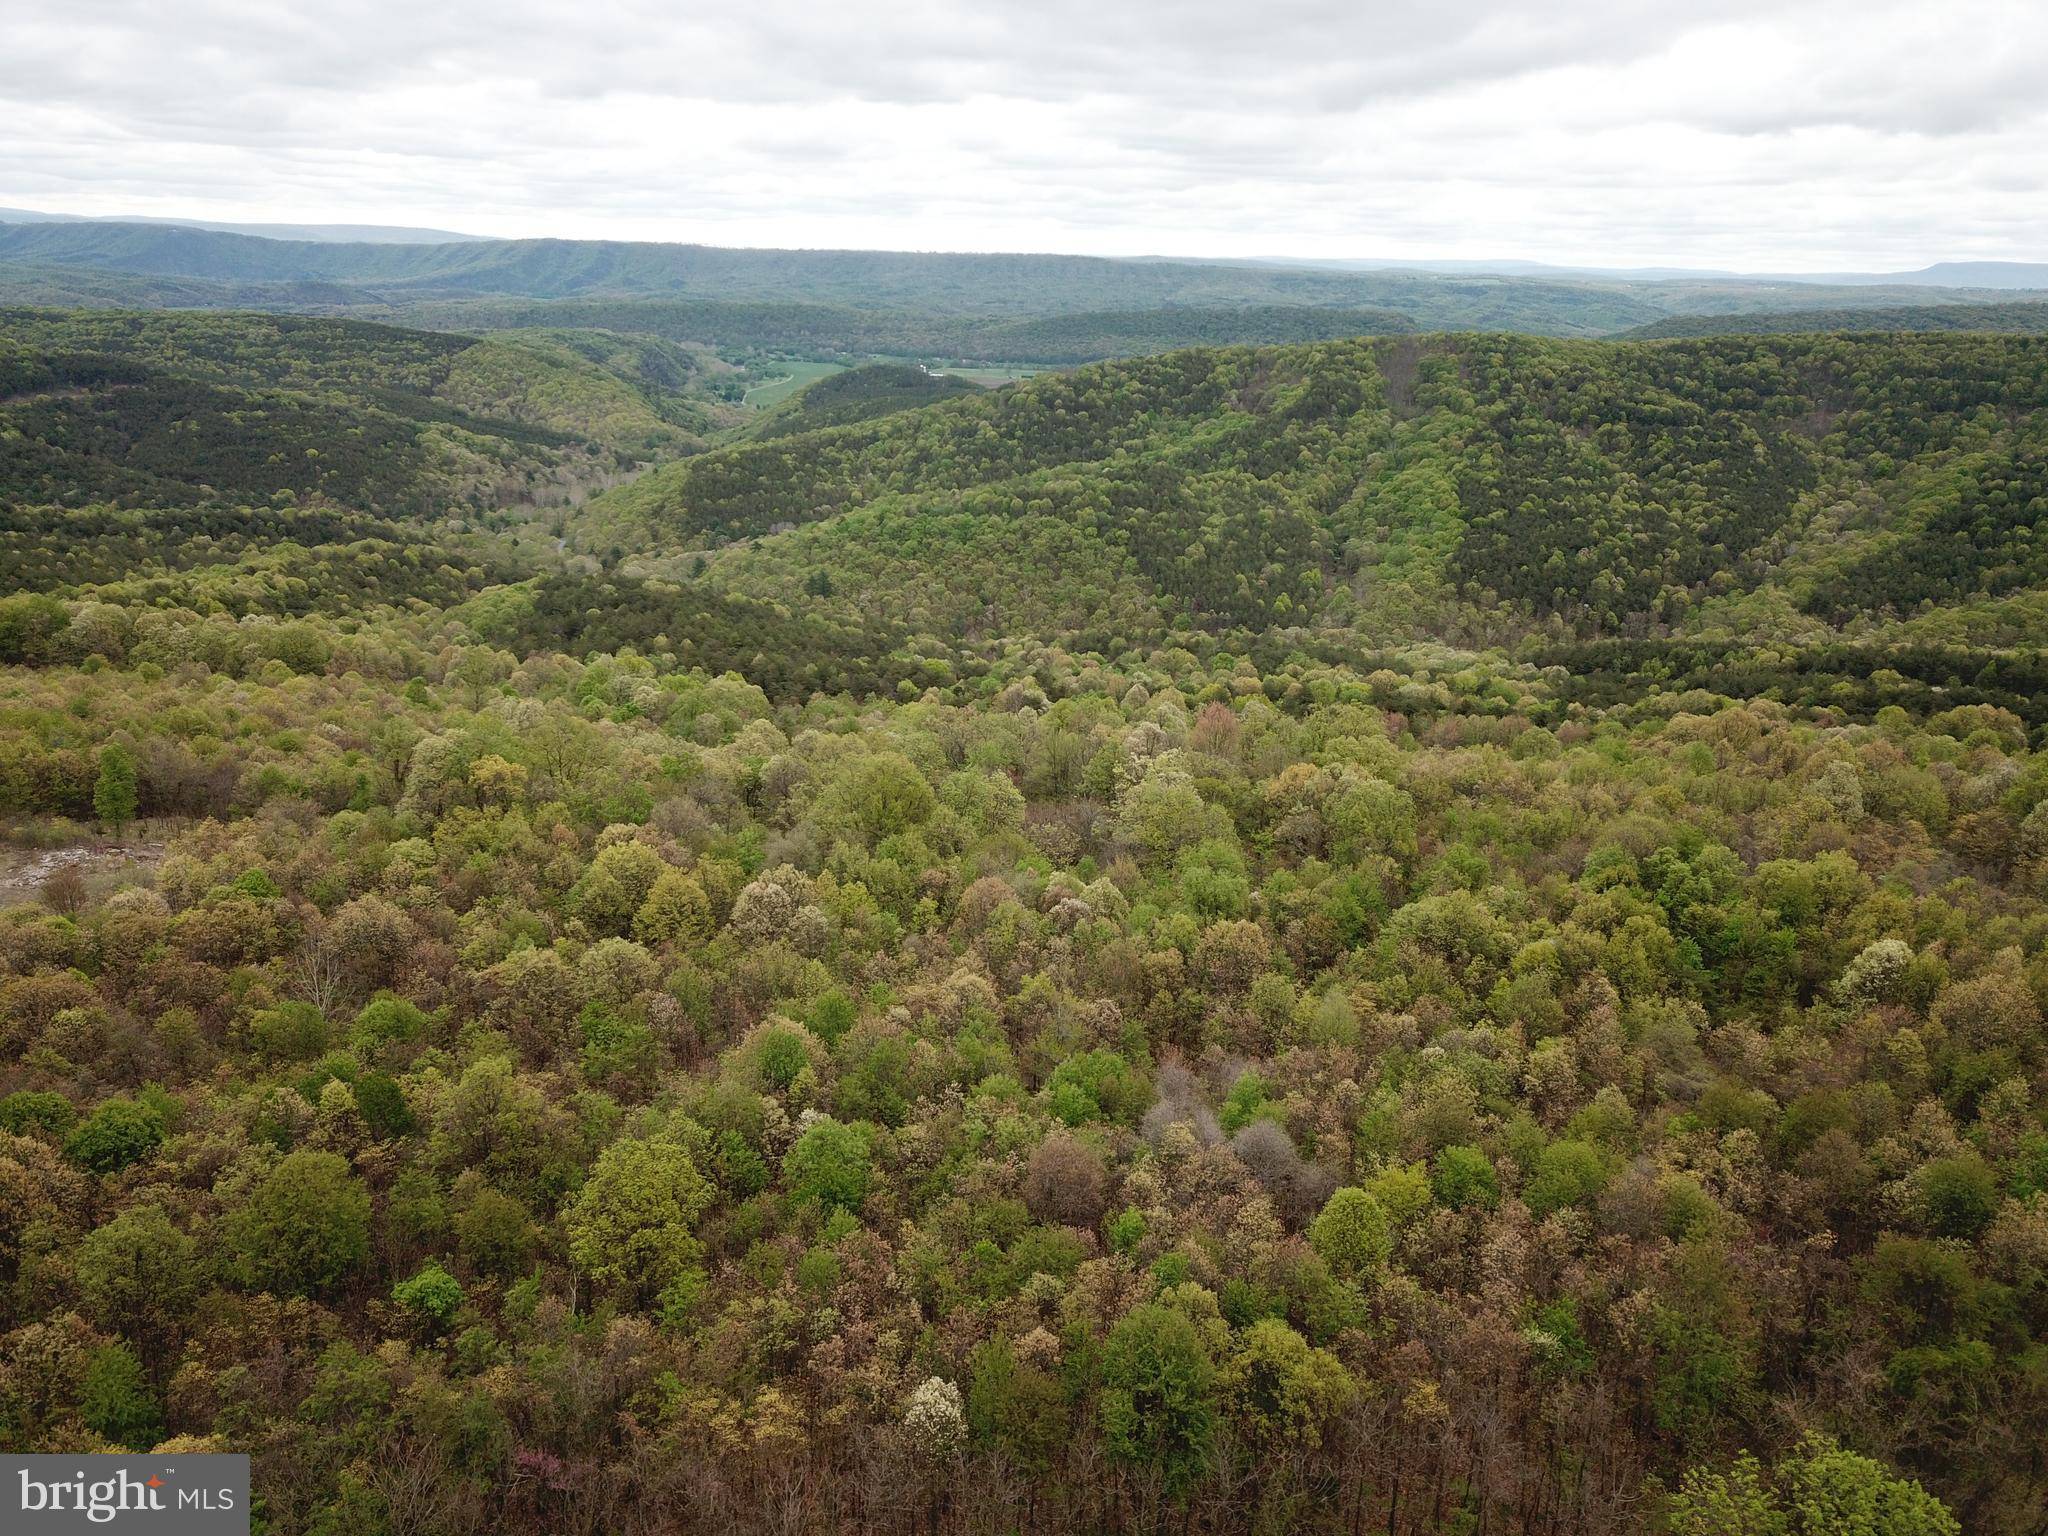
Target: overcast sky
1760, 134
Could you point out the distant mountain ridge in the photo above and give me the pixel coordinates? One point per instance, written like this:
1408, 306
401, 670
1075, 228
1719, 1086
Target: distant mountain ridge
1958, 274
2024, 317
393, 276
360, 234
1142, 305
2023, 275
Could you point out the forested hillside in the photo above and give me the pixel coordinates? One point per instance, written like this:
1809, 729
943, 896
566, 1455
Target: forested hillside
1421, 934
840, 331
156, 410
2026, 317
32, 284
862, 394
1828, 497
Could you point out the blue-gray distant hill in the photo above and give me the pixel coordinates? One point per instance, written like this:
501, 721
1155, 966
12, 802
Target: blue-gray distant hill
362, 234
929, 283
2025, 318
1956, 274
845, 332
161, 265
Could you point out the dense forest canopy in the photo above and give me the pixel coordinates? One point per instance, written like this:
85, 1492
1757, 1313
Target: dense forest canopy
843, 331
2027, 316
863, 394
1418, 933
1805, 492
151, 410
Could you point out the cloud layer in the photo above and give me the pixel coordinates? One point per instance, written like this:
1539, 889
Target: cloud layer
1788, 135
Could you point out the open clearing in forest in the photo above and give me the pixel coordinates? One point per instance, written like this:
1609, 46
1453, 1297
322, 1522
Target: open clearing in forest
989, 378
23, 870
796, 376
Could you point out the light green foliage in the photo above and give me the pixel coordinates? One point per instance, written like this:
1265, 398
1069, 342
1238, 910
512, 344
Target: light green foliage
1402, 1191
1351, 1234
1368, 817
987, 802
831, 1164
289, 1032
875, 797
1245, 1103
617, 885
114, 794
115, 1401
304, 1225
1734, 1502
1464, 1176
387, 1020
580, 382
433, 1296
1212, 880
1567, 1173
1820, 1490
1164, 813
832, 1015
676, 911
781, 1053
633, 1224
1832, 1489
138, 1274
616, 1049
1280, 1389
1096, 1084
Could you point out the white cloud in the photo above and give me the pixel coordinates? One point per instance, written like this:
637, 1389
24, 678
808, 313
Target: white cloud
1727, 132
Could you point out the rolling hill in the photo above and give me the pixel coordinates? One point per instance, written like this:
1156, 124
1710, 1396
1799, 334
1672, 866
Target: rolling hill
160, 409
841, 331
2023, 317
862, 394
1796, 513
366, 234
1728, 496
